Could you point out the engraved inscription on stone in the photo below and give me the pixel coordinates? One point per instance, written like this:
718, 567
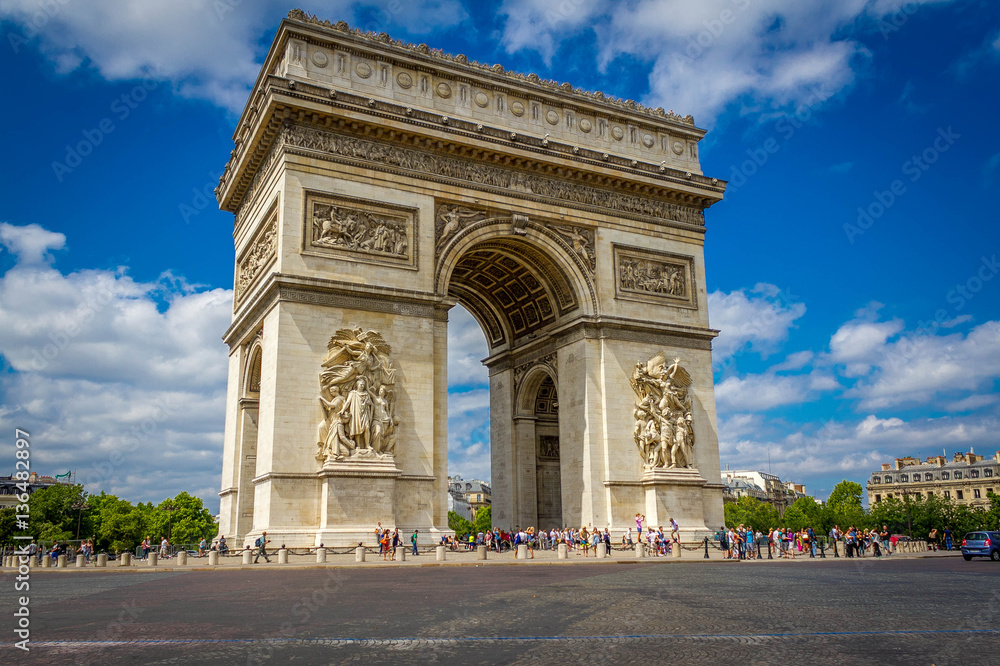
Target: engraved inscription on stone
359, 229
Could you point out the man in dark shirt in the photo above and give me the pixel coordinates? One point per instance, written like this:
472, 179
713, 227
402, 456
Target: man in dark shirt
947, 538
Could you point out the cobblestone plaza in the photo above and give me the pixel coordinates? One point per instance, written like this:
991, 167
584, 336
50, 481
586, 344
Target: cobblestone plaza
901, 610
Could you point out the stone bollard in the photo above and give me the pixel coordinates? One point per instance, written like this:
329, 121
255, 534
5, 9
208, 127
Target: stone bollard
563, 551
321, 556
102, 560
481, 552
602, 551
675, 549
359, 554
80, 561
640, 550
440, 553
154, 557
522, 552
213, 558
247, 556
125, 559
46, 561
182, 558
399, 555
61, 562
282, 556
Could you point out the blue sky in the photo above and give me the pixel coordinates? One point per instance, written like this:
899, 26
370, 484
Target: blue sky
851, 267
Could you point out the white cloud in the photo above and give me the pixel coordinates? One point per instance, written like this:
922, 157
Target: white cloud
121, 381
759, 320
31, 243
207, 49
858, 343
466, 350
768, 391
777, 54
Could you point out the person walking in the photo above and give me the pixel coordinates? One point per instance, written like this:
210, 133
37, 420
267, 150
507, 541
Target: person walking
262, 548
413, 540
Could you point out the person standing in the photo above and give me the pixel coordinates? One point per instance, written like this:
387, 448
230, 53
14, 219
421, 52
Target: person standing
884, 538
674, 530
413, 540
262, 548
947, 537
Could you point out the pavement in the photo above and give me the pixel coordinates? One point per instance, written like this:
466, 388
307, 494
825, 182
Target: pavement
897, 610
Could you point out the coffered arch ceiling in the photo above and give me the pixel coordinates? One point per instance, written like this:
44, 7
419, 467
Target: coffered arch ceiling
513, 289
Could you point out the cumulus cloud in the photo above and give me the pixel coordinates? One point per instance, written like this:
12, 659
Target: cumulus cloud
775, 54
769, 390
466, 350
31, 244
206, 49
121, 381
757, 319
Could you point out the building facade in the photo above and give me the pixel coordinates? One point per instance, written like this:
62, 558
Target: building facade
9, 487
761, 485
466, 497
967, 478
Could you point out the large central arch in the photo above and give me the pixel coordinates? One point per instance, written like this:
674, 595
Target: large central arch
375, 185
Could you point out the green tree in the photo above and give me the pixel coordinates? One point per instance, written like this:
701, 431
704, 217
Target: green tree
458, 524
188, 523
845, 505
803, 513
484, 519
751, 512
7, 520
53, 517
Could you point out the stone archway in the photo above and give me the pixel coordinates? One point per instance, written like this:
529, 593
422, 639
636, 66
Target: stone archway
375, 185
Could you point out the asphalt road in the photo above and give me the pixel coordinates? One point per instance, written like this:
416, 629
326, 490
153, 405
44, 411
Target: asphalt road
916, 611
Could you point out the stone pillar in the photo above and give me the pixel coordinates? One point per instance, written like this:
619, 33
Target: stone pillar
359, 554
46, 561
213, 558
102, 560
640, 549
125, 560
676, 549
182, 558
321, 556
400, 554
602, 551
246, 556
61, 562
481, 551
282, 556
80, 561
440, 553
563, 551
154, 557
522, 552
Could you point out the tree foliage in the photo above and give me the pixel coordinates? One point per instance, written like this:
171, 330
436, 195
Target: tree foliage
484, 519
458, 524
751, 512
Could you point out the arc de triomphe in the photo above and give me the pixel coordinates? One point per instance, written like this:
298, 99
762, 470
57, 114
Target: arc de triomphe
375, 184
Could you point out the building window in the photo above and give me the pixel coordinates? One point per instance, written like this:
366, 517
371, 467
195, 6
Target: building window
987, 473
975, 493
875, 479
974, 474
958, 475
878, 498
945, 476
947, 494
930, 494
916, 477
928, 477
888, 479
904, 478
959, 495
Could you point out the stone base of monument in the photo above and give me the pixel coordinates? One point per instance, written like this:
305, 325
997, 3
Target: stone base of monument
481, 552
321, 556
440, 553
680, 493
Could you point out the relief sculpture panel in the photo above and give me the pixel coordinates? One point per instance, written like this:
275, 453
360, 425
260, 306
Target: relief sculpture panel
359, 230
654, 277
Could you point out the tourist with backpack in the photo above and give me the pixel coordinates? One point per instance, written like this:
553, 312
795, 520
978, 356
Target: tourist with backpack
261, 545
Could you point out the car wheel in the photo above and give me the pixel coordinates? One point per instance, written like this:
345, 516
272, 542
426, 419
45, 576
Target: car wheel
967, 557
995, 556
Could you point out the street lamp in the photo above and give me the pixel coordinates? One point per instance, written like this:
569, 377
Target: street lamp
81, 507
170, 508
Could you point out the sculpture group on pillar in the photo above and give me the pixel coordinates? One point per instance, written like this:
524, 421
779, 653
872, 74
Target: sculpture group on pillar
663, 430
358, 398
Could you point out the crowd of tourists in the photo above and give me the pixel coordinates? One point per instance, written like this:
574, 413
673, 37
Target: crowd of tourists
743, 542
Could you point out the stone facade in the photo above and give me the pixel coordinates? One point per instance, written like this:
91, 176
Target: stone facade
967, 478
375, 185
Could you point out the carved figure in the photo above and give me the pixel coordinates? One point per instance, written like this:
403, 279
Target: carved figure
358, 230
582, 241
663, 430
451, 219
653, 276
359, 379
